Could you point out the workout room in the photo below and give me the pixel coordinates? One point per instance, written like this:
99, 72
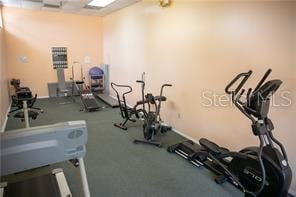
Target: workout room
147, 98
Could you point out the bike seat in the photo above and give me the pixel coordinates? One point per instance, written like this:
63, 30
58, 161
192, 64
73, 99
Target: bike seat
150, 98
79, 82
160, 98
212, 147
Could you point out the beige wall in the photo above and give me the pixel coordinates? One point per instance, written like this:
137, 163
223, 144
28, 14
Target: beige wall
32, 34
200, 46
4, 98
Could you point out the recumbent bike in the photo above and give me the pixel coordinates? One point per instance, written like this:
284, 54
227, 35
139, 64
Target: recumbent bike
257, 171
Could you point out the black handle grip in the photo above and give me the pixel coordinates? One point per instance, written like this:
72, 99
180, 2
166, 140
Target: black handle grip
267, 73
140, 81
115, 87
169, 85
239, 76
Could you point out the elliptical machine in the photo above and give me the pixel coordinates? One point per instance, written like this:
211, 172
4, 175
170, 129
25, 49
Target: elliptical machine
257, 171
125, 111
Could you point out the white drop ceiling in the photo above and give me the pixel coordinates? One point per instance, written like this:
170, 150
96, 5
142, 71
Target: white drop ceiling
70, 6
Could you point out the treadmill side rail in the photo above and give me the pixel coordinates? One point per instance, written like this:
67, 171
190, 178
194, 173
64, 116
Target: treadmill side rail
62, 182
2, 187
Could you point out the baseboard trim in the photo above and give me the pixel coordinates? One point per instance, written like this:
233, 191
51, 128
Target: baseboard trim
6, 118
185, 135
42, 97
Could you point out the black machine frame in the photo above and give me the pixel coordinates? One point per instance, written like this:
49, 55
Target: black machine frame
125, 111
89, 103
23, 103
257, 171
152, 120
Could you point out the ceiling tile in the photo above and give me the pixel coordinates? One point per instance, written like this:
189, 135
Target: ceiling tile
73, 6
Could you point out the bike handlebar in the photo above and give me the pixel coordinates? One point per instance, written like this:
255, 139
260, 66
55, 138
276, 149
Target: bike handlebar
164, 85
169, 85
140, 81
130, 89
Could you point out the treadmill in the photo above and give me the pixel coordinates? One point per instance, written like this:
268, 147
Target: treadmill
30, 148
48, 185
89, 101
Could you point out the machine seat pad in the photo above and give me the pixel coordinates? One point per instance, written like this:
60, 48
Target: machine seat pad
160, 98
212, 147
79, 82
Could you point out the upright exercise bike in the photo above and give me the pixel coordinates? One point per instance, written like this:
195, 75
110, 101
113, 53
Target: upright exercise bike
153, 123
152, 120
257, 171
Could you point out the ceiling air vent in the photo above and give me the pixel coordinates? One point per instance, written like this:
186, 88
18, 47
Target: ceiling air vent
46, 5
35, 1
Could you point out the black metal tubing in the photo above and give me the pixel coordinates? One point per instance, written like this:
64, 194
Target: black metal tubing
143, 93
244, 80
237, 103
267, 73
279, 144
121, 86
161, 91
123, 109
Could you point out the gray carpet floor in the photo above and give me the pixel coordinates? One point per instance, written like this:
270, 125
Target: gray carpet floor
118, 168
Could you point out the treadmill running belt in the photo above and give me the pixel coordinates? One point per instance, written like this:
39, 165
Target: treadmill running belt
42, 186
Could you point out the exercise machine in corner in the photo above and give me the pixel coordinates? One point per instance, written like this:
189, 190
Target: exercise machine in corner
60, 63
99, 84
257, 171
87, 98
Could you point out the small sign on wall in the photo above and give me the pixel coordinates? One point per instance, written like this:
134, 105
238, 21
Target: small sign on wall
87, 60
22, 59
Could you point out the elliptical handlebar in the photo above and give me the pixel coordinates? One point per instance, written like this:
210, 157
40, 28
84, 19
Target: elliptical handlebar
242, 83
